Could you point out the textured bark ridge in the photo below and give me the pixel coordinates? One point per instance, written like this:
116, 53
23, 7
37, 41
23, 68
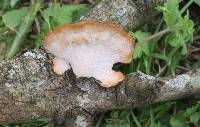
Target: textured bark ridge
30, 90
129, 14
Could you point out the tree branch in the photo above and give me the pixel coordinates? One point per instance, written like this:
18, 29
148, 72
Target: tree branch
129, 14
30, 90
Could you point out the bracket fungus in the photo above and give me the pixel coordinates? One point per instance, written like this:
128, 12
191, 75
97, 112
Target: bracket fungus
90, 49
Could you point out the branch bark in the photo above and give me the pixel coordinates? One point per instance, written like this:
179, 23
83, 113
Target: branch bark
129, 14
30, 90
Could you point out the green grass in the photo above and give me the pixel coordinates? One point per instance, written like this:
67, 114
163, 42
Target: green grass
158, 52
181, 113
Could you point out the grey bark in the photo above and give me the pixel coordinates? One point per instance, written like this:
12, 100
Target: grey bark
30, 90
129, 14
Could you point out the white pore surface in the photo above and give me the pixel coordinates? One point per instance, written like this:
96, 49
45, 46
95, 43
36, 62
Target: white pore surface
96, 60
90, 53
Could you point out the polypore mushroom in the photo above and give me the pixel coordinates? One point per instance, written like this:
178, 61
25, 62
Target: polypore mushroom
90, 49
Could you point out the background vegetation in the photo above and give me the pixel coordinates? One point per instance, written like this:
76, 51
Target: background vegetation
168, 45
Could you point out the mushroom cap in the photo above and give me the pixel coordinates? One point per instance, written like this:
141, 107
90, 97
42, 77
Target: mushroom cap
90, 49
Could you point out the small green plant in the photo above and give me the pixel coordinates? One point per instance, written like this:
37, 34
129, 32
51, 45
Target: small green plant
8, 4
168, 114
56, 14
20, 21
34, 123
149, 116
158, 54
188, 117
162, 52
13, 20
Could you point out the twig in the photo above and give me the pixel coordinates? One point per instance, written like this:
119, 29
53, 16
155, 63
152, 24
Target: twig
196, 38
183, 68
92, 2
154, 36
37, 23
195, 50
100, 119
135, 119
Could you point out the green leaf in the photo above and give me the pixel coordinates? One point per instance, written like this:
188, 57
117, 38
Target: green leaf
172, 5
13, 18
170, 11
4, 5
146, 48
137, 52
191, 110
124, 113
180, 119
145, 60
14, 2
131, 33
160, 56
162, 109
174, 39
76, 10
184, 50
183, 32
23, 30
56, 14
187, 30
194, 118
197, 2
114, 114
139, 36
62, 14
180, 32
177, 122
